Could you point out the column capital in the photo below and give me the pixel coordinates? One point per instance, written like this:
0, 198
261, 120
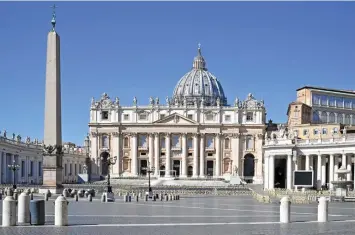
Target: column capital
94, 134
115, 134
195, 134
202, 135
167, 134
218, 135
133, 134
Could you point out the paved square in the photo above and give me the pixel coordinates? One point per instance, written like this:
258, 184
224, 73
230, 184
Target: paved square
191, 215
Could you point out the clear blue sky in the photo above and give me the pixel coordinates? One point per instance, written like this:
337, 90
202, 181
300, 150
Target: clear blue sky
142, 49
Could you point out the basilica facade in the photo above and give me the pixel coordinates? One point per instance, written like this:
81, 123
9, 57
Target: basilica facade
195, 133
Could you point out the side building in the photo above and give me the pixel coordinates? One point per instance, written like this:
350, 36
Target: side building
28, 155
196, 133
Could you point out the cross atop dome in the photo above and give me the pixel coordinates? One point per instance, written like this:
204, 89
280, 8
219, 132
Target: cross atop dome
199, 61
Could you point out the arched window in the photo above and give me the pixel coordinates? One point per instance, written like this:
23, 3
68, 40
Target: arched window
340, 118
347, 119
315, 116
323, 117
331, 118
227, 143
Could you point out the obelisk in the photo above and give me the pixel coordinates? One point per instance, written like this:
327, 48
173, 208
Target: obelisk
52, 154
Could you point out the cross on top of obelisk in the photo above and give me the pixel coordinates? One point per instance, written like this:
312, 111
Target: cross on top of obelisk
53, 17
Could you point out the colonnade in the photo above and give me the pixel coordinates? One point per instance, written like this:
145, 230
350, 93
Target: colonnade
316, 162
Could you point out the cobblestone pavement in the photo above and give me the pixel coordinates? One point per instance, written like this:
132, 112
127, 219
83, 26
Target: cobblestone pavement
191, 215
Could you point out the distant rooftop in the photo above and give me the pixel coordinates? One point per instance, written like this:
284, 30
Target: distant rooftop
327, 89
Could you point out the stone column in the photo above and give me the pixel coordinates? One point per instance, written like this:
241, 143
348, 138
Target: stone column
343, 161
331, 170
195, 167
271, 171
336, 166
266, 172
156, 154
289, 172
307, 163
218, 154
202, 155
134, 154
323, 171
184, 155
348, 167
319, 171
167, 155
151, 149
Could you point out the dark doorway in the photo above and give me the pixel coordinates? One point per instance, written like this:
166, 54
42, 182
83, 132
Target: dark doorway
249, 168
209, 168
280, 170
189, 171
104, 166
143, 170
162, 171
176, 167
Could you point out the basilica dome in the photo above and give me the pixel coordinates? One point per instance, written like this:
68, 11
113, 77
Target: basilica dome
199, 85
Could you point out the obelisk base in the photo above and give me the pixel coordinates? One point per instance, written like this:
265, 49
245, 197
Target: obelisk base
52, 181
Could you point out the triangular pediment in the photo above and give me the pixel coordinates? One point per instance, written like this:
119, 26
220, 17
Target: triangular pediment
176, 119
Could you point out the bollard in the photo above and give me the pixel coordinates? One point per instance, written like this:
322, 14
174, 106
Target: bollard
170, 197
61, 211
129, 198
174, 197
15, 194
37, 212
154, 198
166, 197
125, 198
177, 197
161, 197
103, 197
9, 211
76, 197
322, 209
137, 198
90, 198
285, 211
23, 208
146, 198
31, 195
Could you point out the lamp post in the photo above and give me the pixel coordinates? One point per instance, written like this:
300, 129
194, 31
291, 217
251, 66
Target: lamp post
110, 161
149, 169
14, 167
88, 159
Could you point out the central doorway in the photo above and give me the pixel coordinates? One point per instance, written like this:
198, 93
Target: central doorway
143, 169
176, 167
210, 168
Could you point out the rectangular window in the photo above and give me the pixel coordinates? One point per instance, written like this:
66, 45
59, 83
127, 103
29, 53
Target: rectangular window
104, 115
190, 154
227, 118
162, 143
126, 117
339, 101
190, 116
142, 116
296, 113
315, 131
324, 131
23, 168
176, 141
347, 103
142, 141
335, 130
209, 117
305, 131
209, 142
332, 101
189, 143
250, 116
39, 168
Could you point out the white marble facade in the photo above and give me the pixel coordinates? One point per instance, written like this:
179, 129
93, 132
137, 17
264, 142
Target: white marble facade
194, 134
324, 156
28, 155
